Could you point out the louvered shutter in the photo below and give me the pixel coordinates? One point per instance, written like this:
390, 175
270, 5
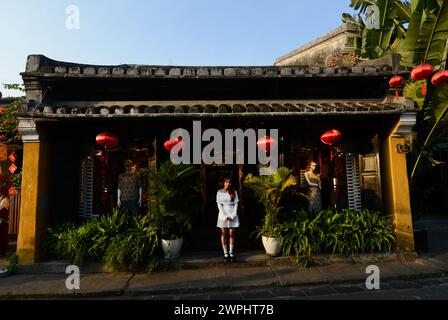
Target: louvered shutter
353, 182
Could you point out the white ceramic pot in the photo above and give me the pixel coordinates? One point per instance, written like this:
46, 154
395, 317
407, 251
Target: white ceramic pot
171, 248
272, 246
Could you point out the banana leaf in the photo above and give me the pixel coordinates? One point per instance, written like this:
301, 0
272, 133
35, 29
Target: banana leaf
427, 33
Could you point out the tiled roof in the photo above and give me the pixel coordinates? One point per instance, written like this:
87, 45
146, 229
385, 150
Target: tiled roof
216, 109
42, 66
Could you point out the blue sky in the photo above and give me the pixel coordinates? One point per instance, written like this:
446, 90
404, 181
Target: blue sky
166, 32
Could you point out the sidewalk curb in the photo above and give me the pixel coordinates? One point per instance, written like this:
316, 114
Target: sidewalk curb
223, 289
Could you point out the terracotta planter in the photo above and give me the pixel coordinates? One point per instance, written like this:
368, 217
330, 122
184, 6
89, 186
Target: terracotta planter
171, 248
272, 246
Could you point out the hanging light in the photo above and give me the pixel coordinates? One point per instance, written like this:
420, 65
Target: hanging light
440, 77
331, 137
107, 140
394, 82
169, 145
266, 143
421, 73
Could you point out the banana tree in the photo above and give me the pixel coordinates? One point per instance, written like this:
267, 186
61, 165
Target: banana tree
436, 114
427, 34
393, 16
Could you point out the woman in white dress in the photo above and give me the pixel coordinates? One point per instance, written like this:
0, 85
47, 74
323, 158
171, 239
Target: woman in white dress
227, 200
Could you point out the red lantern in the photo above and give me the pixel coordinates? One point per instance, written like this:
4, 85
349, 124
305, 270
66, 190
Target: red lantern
440, 77
331, 137
266, 143
169, 145
422, 72
107, 140
12, 191
2, 111
395, 82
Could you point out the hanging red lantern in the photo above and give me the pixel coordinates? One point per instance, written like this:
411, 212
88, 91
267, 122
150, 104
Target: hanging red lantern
395, 82
331, 137
266, 143
440, 77
169, 145
421, 73
107, 140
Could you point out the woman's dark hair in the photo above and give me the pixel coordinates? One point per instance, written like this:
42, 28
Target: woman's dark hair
231, 190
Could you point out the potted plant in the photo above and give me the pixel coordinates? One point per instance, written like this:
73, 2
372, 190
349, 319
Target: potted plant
271, 190
176, 199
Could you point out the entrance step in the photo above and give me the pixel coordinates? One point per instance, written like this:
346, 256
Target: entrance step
187, 260
196, 260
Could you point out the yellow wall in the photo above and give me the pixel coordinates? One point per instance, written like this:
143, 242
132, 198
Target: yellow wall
396, 191
33, 217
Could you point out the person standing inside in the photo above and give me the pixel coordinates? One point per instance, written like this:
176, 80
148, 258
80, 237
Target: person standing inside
4, 225
129, 189
314, 188
228, 221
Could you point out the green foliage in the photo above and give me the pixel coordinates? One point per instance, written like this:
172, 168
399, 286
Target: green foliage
427, 34
177, 198
14, 86
9, 132
345, 232
135, 247
375, 43
123, 243
13, 262
270, 190
105, 228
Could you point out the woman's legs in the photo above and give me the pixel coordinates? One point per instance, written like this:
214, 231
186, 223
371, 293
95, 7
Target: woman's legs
224, 241
232, 235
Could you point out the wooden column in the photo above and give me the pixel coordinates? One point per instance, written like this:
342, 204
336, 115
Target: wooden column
152, 165
34, 204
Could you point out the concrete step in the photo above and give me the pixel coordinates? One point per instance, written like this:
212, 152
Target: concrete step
207, 259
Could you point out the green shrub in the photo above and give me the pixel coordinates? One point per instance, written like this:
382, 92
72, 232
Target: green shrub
302, 235
87, 242
345, 232
134, 248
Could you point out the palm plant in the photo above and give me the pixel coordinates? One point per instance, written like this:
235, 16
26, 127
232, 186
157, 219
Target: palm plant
270, 190
177, 198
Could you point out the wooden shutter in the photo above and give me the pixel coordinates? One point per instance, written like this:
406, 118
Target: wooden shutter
353, 181
370, 181
86, 183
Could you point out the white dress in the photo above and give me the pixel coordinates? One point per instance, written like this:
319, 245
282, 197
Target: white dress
227, 208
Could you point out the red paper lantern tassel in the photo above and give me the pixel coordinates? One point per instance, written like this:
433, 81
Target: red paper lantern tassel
397, 95
424, 92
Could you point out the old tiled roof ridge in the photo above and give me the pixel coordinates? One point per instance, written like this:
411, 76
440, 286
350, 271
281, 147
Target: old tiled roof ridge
41, 66
214, 108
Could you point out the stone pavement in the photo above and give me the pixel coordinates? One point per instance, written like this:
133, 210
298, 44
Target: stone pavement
205, 276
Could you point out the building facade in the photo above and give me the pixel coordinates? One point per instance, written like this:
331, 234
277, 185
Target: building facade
68, 105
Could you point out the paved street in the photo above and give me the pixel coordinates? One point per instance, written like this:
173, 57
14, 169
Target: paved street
423, 289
